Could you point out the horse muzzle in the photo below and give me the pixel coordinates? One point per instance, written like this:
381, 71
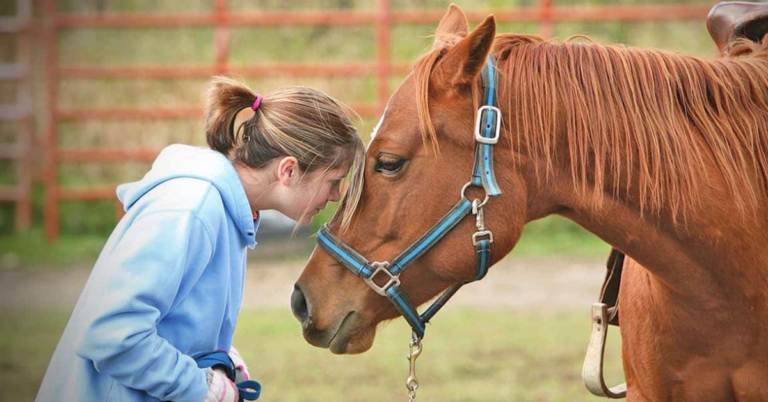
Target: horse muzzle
340, 337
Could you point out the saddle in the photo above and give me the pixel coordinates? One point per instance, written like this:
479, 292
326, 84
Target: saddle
728, 21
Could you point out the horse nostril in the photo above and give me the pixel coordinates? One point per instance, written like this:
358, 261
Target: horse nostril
299, 304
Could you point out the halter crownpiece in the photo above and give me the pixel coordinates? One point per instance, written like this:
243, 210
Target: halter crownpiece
487, 128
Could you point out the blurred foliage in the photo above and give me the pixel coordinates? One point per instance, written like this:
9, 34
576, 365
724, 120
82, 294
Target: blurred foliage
31, 250
248, 45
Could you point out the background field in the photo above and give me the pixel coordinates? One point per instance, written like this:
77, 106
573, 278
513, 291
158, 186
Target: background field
520, 335
470, 355
493, 350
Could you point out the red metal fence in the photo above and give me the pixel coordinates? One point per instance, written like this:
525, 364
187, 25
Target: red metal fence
382, 17
19, 112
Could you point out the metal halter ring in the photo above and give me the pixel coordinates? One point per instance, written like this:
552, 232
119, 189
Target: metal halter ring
394, 280
464, 189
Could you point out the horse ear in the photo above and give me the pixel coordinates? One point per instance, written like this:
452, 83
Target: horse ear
463, 62
453, 23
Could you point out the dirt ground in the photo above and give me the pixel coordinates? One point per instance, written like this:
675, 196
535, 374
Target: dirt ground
550, 284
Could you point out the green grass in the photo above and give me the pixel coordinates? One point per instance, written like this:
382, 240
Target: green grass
469, 355
553, 236
31, 250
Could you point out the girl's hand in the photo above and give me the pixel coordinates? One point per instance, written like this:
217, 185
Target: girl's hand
220, 388
241, 372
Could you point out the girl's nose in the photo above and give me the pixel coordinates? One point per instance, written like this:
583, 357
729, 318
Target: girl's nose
335, 195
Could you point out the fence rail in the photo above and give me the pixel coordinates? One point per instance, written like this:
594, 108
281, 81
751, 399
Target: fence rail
382, 17
341, 18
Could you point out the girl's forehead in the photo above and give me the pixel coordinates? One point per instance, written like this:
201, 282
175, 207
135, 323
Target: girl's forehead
340, 172
332, 174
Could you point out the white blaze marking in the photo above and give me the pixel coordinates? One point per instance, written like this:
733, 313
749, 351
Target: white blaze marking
378, 125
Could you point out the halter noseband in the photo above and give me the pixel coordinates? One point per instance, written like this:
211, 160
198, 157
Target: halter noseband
487, 127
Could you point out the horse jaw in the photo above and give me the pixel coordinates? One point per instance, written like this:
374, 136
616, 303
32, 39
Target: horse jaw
352, 338
350, 334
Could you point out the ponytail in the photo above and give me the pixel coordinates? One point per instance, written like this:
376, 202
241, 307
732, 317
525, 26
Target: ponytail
301, 122
226, 98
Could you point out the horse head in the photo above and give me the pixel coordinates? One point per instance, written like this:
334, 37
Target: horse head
420, 155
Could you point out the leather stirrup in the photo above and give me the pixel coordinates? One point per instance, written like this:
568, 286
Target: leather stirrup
604, 313
592, 372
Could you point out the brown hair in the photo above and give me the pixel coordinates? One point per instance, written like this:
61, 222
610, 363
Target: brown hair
301, 122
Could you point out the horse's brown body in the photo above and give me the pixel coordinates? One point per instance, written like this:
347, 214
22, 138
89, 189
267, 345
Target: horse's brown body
694, 314
693, 305
676, 350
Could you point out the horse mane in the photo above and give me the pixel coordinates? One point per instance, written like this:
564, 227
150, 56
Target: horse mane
627, 114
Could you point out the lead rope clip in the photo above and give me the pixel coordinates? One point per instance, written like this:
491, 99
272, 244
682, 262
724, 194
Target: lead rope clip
477, 210
412, 383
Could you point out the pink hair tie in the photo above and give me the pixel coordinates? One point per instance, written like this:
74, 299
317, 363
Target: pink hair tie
256, 103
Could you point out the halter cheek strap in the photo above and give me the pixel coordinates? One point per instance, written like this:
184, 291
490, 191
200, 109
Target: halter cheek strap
487, 128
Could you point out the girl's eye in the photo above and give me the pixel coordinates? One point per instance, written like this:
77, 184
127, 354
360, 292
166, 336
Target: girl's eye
389, 165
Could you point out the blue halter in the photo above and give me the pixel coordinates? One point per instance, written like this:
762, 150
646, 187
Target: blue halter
487, 128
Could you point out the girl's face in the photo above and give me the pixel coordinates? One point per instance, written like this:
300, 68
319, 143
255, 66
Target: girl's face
309, 193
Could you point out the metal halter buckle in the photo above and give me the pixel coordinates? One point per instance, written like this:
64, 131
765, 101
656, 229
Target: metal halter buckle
476, 237
478, 135
394, 280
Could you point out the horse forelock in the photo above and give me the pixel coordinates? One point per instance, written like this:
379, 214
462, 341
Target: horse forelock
422, 71
354, 191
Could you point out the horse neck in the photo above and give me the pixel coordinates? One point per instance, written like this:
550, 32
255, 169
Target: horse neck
708, 248
629, 192
709, 238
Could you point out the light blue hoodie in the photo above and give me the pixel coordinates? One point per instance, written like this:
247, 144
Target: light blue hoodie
167, 286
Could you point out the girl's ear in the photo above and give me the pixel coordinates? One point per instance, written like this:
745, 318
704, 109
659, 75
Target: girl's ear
288, 171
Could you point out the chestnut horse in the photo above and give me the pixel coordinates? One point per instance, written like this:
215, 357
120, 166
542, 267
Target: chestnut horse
661, 155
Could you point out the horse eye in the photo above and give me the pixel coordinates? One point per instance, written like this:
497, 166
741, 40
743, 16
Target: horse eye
389, 166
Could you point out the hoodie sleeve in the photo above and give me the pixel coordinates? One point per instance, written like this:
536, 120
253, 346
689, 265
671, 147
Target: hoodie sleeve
159, 256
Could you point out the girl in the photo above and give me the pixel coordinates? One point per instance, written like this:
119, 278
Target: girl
169, 282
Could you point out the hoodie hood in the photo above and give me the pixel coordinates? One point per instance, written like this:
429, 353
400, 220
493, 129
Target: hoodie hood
185, 161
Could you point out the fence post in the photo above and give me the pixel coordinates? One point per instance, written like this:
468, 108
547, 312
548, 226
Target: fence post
546, 29
26, 129
383, 62
50, 141
221, 36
